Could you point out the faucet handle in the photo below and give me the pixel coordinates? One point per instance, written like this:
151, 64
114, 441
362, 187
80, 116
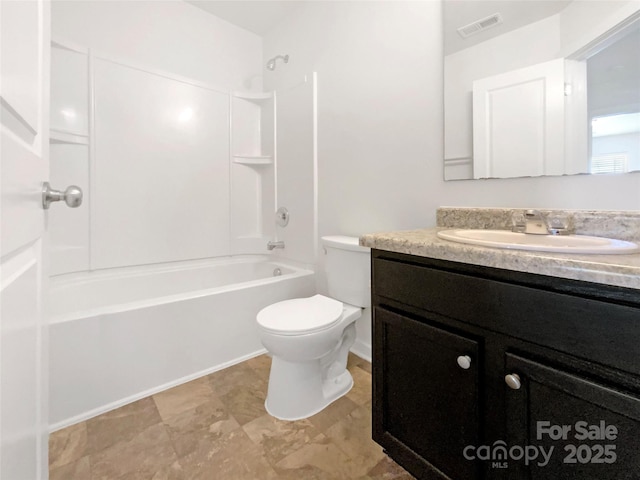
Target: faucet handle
558, 224
518, 222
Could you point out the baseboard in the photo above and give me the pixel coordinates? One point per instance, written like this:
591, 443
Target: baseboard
146, 393
362, 350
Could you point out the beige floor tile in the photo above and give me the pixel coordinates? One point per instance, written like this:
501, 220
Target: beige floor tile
244, 403
78, 470
354, 361
360, 393
387, 469
216, 428
353, 436
237, 376
210, 420
319, 459
261, 365
170, 472
232, 457
121, 424
140, 457
67, 445
334, 412
184, 397
366, 366
279, 438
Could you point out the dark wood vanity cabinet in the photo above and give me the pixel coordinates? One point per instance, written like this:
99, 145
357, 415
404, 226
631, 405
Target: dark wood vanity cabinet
473, 366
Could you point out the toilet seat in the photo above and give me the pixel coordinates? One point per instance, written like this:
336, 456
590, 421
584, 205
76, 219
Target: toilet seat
300, 315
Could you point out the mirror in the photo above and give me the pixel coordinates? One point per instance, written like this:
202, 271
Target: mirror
534, 88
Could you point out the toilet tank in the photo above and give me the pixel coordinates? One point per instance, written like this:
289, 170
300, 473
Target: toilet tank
348, 269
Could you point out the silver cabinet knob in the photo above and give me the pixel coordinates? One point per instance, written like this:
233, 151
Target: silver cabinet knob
513, 380
464, 361
72, 196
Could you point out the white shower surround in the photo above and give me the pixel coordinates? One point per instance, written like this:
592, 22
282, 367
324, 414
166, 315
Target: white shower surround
120, 335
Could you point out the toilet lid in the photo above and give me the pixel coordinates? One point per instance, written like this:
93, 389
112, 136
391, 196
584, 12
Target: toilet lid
300, 315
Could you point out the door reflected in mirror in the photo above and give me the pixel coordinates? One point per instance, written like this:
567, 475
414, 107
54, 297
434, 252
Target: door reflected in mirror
537, 88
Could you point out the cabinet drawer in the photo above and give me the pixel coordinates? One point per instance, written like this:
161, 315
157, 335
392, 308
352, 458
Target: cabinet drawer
602, 332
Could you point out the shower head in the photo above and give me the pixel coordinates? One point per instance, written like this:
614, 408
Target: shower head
271, 64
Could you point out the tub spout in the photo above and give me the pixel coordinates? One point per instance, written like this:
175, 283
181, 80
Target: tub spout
272, 245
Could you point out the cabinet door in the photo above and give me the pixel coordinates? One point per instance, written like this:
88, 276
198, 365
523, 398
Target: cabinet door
425, 405
554, 409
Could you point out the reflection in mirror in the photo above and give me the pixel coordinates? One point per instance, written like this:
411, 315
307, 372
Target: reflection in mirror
538, 87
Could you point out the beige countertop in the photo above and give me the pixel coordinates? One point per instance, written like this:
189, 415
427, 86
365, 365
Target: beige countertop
620, 270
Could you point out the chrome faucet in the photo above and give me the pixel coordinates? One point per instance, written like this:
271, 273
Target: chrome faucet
535, 223
271, 245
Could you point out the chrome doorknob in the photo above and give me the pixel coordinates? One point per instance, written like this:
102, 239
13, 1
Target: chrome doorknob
72, 196
513, 381
464, 362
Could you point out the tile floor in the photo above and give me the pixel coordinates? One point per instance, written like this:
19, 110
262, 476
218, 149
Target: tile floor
216, 428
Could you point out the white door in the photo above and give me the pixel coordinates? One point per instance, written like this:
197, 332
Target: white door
508, 143
24, 79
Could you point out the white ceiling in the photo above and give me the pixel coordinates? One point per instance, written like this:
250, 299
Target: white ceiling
515, 13
257, 16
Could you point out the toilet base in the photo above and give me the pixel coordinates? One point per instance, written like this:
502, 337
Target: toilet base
297, 391
300, 389
303, 379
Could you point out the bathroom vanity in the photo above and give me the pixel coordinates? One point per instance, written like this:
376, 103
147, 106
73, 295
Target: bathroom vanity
502, 364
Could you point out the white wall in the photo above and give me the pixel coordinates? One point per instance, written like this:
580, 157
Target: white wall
380, 142
168, 35
584, 20
379, 98
379, 111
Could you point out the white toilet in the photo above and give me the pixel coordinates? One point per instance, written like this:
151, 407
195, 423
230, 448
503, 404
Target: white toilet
310, 338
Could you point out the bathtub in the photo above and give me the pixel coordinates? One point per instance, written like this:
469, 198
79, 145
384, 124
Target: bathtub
122, 334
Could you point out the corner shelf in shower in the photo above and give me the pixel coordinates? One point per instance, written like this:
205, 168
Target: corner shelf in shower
253, 159
256, 97
66, 138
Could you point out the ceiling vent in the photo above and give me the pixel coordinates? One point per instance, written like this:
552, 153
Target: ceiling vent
480, 25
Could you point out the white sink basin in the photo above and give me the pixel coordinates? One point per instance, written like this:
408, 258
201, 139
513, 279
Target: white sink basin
580, 244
